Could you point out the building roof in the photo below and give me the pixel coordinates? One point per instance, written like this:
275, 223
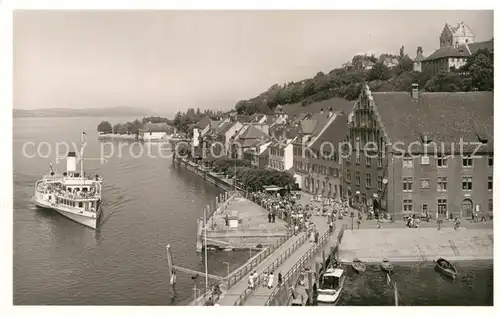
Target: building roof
338, 104
252, 132
474, 47
441, 116
214, 124
158, 127
244, 118
447, 52
466, 50
265, 153
332, 133
204, 122
226, 127
249, 142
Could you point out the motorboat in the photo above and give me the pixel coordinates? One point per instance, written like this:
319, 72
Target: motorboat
331, 285
446, 268
386, 266
358, 265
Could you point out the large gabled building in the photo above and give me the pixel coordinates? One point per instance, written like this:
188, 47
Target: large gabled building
414, 163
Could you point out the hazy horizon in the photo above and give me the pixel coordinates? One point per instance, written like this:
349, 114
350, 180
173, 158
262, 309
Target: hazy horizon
167, 61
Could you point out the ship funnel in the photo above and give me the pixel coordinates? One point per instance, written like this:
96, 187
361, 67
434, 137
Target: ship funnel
71, 162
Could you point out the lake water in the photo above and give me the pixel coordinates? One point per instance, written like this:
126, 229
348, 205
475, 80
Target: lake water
148, 203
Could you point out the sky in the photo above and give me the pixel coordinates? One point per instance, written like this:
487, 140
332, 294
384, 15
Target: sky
167, 61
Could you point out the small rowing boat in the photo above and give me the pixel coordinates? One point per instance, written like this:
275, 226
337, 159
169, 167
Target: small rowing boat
446, 268
358, 265
386, 266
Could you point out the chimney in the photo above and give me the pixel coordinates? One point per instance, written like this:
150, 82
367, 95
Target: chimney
330, 112
71, 162
321, 111
414, 91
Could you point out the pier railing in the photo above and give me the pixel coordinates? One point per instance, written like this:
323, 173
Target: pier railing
292, 275
255, 261
276, 263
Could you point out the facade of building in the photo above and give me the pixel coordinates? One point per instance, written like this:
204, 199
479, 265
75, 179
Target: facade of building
312, 131
281, 154
461, 34
414, 164
155, 132
318, 163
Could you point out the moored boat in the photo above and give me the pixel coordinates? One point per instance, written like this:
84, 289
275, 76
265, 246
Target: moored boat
446, 268
358, 265
331, 285
386, 266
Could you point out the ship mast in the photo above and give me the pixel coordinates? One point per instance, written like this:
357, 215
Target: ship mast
81, 161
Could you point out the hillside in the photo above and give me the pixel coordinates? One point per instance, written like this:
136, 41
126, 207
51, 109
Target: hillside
92, 112
385, 73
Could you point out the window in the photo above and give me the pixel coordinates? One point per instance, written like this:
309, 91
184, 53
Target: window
407, 162
467, 183
490, 183
467, 162
490, 160
368, 180
363, 198
490, 205
358, 159
425, 208
407, 184
407, 205
379, 162
442, 206
424, 160
368, 161
358, 178
442, 162
330, 187
441, 184
379, 183
424, 183
348, 175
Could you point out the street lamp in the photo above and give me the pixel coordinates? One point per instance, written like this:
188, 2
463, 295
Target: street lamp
352, 220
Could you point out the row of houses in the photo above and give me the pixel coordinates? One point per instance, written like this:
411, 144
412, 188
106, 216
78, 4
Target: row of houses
427, 152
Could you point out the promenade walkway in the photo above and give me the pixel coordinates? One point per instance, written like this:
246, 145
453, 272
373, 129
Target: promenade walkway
261, 294
234, 293
291, 252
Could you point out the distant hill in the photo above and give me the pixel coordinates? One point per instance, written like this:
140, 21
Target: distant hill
65, 112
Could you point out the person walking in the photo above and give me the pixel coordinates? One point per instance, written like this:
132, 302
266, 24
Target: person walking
266, 277
269, 216
255, 279
358, 222
270, 280
280, 279
250, 281
274, 217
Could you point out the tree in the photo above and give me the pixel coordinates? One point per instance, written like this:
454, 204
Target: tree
401, 52
379, 72
116, 128
445, 82
105, 127
479, 71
